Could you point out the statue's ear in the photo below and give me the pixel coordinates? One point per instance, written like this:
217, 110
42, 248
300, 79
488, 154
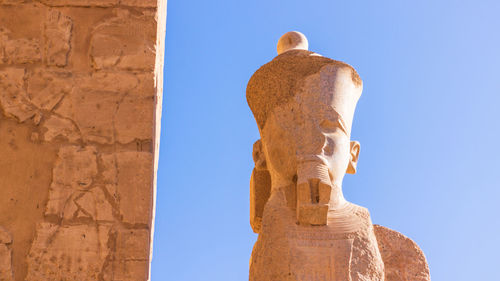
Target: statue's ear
353, 162
260, 187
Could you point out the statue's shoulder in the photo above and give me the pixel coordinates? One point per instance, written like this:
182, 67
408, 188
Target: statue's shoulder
403, 258
359, 211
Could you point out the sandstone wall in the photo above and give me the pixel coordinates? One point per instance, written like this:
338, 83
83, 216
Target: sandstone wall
80, 95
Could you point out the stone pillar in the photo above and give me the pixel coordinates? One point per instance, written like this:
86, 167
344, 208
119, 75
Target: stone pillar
80, 104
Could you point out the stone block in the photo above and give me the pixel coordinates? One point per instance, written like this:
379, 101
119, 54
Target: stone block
80, 3
119, 82
74, 170
58, 127
88, 206
57, 38
134, 119
22, 51
73, 252
93, 112
76, 166
108, 169
13, 97
95, 105
12, 2
139, 3
5, 237
103, 206
133, 244
134, 186
132, 271
128, 176
5, 263
122, 107
47, 88
125, 42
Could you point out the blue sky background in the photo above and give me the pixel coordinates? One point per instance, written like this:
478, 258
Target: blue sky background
428, 123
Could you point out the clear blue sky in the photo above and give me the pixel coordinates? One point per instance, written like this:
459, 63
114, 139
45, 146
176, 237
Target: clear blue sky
428, 124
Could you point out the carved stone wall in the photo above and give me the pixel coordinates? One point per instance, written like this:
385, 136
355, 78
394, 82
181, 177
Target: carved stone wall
80, 96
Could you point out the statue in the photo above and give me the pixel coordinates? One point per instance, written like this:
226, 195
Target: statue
304, 105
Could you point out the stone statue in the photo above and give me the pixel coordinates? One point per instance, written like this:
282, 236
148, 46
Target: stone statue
304, 105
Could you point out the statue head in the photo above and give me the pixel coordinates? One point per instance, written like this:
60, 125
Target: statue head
304, 106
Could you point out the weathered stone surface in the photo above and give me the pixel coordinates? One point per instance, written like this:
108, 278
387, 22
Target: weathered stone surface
131, 270
344, 249
91, 205
5, 255
11, 2
5, 263
3, 39
124, 42
130, 259
125, 173
135, 109
5, 237
76, 167
74, 171
22, 51
47, 88
139, 3
25, 176
59, 127
121, 110
403, 259
103, 204
13, 98
119, 82
132, 119
80, 3
18, 51
260, 189
57, 38
73, 252
133, 186
76, 138
95, 127
304, 106
109, 169
133, 244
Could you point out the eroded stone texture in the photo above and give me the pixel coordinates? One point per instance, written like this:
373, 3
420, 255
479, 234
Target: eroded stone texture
74, 171
304, 106
78, 112
22, 51
5, 255
139, 3
25, 176
18, 51
46, 88
60, 127
122, 107
57, 38
11, 2
81, 3
73, 252
13, 98
124, 42
403, 259
128, 172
